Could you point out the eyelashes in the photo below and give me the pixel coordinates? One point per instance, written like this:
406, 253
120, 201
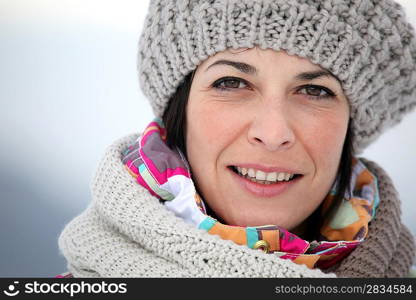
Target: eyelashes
226, 83
234, 84
320, 89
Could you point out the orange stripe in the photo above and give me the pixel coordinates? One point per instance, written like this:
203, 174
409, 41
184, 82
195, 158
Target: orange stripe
307, 259
237, 234
272, 237
364, 178
149, 129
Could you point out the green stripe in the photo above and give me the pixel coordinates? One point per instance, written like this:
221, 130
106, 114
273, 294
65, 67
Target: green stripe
152, 183
207, 224
252, 236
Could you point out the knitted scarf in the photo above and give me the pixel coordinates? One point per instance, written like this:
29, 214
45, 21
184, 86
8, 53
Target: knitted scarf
165, 174
127, 232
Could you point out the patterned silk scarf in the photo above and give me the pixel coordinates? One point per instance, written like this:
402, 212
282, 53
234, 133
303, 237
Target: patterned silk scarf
166, 175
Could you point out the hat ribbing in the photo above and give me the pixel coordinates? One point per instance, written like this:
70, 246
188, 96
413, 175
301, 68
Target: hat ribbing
367, 44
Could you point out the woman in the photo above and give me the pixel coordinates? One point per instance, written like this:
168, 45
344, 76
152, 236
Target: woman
250, 168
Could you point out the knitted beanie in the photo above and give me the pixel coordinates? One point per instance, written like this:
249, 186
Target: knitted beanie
367, 44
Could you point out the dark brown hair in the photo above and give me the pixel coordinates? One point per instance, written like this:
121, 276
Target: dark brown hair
174, 116
174, 119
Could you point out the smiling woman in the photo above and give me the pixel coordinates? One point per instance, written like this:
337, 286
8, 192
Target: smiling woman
262, 108
271, 109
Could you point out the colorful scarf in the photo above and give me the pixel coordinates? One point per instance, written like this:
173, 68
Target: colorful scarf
165, 173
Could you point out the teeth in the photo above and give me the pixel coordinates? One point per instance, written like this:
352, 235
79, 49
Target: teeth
244, 171
251, 173
271, 176
263, 177
260, 175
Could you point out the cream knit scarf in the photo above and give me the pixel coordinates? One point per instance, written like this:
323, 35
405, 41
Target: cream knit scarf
126, 232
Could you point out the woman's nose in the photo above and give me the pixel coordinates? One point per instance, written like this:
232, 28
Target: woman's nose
271, 128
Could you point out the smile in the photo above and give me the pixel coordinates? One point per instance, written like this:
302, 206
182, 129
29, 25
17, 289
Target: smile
264, 184
263, 177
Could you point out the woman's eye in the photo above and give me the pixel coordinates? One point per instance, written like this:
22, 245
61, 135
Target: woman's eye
317, 92
229, 83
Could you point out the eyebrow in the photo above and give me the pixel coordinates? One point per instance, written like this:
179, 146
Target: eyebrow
240, 66
251, 70
305, 76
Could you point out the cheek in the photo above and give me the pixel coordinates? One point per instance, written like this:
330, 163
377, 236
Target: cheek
325, 140
211, 126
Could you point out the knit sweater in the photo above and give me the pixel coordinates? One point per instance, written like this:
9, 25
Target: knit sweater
126, 232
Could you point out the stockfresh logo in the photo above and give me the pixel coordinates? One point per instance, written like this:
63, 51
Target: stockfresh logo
11, 290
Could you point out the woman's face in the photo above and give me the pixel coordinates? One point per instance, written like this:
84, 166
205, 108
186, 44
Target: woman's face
255, 118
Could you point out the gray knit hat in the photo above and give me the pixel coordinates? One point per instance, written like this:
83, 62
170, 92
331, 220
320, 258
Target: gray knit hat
368, 44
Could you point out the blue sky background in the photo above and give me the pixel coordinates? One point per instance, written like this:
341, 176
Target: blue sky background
68, 88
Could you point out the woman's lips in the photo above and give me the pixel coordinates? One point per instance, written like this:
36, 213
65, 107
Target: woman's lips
264, 190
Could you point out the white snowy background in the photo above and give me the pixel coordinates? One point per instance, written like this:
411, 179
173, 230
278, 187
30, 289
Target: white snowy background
68, 88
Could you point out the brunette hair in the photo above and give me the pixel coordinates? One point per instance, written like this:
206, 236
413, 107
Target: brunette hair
174, 119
